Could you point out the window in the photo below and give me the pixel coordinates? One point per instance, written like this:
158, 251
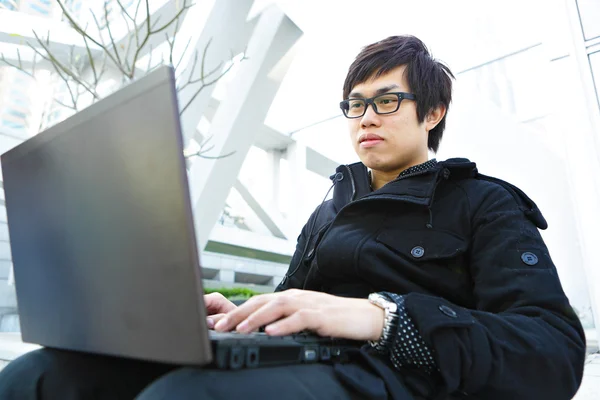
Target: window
8, 5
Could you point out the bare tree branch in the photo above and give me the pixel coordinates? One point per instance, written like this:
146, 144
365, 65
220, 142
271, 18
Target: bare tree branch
194, 64
199, 154
60, 103
61, 76
103, 67
171, 41
91, 60
98, 27
149, 59
152, 31
204, 149
183, 54
203, 86
125, 13
73, 72
58, 64
19, 66
78, 29
110, 35
176, 17
136, 28
33, 63
127, 18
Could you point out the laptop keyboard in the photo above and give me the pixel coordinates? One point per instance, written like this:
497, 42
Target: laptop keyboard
302, 336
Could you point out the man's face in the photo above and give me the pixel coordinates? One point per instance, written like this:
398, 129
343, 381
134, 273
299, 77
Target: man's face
400, 141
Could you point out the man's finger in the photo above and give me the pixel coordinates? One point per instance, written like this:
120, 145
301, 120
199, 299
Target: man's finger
271, 311
305, 319
234, 317
213, 319
216, 303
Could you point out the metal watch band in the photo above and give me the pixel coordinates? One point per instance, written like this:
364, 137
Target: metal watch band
390, 325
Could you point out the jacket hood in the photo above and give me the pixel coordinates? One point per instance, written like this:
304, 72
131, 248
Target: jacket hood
352, 182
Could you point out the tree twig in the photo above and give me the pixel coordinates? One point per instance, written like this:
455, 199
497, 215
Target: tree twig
60, 103
136, 29
171, 41
58, 64
151, 31
125, 13
78, 29
91, 60
18, 67
149, 59
203, 86
183, 53
58, 72
212, 158
110, 35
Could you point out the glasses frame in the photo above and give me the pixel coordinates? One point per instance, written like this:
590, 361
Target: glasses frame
345, 104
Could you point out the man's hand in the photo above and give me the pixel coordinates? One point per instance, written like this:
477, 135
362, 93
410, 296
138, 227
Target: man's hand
296, 310
216, 307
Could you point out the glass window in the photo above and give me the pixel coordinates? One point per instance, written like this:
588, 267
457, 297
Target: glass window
8, 4
589, 13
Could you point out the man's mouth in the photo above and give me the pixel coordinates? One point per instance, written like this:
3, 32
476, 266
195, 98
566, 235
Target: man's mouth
369, 140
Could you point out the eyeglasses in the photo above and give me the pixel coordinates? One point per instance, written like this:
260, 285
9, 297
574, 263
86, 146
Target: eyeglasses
386, 103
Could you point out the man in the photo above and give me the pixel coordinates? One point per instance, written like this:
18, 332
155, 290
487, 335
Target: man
441, 269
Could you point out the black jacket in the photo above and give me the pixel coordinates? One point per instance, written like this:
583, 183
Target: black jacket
465, 251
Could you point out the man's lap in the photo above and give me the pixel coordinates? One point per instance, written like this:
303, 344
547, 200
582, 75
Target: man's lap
57, 374
49, 373
305, 381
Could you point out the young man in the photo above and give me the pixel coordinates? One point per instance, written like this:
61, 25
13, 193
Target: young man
441, 269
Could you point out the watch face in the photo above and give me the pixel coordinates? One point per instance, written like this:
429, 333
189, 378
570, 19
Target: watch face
383, 302
378, 299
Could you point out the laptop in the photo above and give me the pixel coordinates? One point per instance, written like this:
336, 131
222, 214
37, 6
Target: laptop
103, 244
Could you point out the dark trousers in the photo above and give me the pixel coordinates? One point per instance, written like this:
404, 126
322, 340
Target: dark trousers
49, 374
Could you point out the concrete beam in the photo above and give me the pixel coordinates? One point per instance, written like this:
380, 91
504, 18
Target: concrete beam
224, 39
274, 223
319, 164
250, 240
17, 28
244, 109
296, 157
269, 139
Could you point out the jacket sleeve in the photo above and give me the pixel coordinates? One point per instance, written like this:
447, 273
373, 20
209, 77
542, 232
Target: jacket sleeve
523, 340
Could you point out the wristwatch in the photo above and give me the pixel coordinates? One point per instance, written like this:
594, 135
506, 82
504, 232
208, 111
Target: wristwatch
390, 322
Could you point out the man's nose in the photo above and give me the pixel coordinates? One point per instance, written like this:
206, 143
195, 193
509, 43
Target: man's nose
370, 117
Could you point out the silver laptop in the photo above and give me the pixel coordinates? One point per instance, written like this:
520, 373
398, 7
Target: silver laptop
103, 244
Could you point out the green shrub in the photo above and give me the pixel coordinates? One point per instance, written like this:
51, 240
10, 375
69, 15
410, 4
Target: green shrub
238, 293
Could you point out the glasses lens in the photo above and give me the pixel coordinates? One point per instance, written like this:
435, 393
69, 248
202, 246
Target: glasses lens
386, 103
356, 108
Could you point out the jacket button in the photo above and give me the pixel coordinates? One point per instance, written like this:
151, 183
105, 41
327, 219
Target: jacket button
529, 258
448, 311
417, 252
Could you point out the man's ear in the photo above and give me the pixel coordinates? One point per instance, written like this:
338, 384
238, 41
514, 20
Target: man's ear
434, 116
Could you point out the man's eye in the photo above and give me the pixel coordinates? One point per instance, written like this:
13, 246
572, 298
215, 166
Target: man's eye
356, 104
386, 101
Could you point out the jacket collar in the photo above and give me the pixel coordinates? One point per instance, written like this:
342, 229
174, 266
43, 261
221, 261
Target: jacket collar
352, 183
